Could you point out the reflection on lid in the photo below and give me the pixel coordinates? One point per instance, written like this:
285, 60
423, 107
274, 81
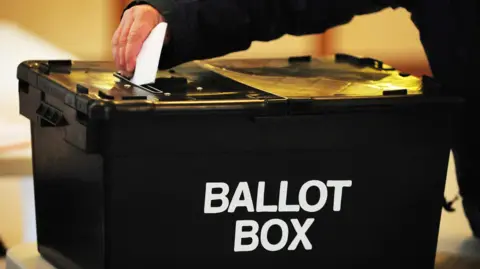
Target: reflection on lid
254, 80
189, 82
317, 78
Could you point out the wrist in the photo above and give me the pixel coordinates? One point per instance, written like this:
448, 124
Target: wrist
136, 3
158, 18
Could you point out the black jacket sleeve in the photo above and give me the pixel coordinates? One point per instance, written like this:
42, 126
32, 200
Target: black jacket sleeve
202, 29
450, 35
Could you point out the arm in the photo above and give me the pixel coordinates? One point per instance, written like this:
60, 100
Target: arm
212, 28
450, 36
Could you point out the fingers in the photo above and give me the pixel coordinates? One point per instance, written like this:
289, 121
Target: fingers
128, 38
138, 33
115, 38
122, 42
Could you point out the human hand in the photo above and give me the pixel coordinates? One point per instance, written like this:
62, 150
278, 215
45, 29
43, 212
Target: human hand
137, 23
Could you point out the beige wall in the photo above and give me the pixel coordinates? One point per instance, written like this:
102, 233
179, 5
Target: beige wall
285, 46
389, 35
81, 27
84, 28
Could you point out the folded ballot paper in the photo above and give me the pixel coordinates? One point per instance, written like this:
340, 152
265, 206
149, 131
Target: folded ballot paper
149, 56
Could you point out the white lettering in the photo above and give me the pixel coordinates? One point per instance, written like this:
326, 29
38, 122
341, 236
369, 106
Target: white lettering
210, 196
247, 202
240, 234
301, 234
264, 235
337, 197
282, 203
243, 197
248, 233
302, 196
251, 233
261, 207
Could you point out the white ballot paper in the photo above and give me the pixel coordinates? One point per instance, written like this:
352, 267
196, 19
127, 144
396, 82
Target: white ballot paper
149, 57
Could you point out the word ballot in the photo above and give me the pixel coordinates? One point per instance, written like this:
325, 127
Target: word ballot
217, 193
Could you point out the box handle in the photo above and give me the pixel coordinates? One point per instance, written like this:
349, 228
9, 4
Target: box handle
50, 116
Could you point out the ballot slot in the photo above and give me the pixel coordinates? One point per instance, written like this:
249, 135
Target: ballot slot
149, 88
185, 83
192, 85
152, 89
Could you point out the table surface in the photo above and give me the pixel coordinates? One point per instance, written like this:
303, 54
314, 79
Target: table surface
27, 257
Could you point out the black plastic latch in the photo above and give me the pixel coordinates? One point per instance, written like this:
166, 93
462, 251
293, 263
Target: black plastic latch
82, 89
134, 97
395, 92
171, 82
56, 66
300, 59
50, 116
105, 95
363, 62
173, 85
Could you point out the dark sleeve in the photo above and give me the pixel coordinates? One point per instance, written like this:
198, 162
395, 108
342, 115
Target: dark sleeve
201, 29
450, 35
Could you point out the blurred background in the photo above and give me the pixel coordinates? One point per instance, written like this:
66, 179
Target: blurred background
81, 29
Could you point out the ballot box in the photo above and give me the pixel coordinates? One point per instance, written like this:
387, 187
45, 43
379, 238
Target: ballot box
335, 162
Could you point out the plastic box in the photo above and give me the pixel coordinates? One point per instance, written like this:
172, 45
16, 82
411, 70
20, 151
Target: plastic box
336, 162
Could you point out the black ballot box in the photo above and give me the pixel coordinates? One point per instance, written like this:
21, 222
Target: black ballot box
335, 162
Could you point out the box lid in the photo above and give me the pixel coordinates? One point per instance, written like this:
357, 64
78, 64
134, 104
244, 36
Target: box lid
318, 78
267, 86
